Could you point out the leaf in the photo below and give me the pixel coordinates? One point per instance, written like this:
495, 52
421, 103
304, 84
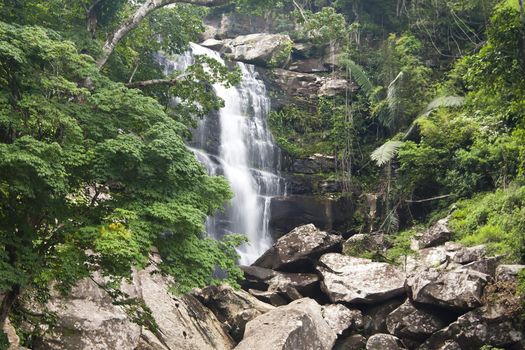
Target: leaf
392, 101
443, 101
359, 75
386, 152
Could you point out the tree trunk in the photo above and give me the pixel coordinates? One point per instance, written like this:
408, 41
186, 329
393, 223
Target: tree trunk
522, 38
8, 302
144, 10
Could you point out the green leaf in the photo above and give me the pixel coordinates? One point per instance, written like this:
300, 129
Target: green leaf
386, 152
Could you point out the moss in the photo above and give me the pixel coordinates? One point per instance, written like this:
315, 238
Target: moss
401, 245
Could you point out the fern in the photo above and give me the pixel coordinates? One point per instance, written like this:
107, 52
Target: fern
392, 102
443, 101
359, 75
386, 152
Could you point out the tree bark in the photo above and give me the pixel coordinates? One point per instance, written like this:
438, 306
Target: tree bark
143, 11
522, 39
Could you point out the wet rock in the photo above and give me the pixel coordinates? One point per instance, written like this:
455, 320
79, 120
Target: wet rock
234, 308
356, 280
314, 164
407, 321
298, 248
493, 325
309, 65
508, 272
459, 289
384, 342
438, 234
340, 318
297, 326
322, 211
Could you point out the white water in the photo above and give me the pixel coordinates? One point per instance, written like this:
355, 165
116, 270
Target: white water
246, 156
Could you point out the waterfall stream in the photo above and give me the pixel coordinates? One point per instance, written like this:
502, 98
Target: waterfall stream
236, 143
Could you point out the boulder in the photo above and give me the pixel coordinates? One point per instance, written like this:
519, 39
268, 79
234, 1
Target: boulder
260, 49
375, 316
508, 272
490, 325
458, 289
340, 318
384, 342
469, 254
234, 308
272, 297
360, 243
356, 280
438, 234
318, 163
325, 212
407, 321
299, 248
334, 87
88, 319
308, 65
297, 326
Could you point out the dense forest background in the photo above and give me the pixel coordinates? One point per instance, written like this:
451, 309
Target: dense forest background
94, 170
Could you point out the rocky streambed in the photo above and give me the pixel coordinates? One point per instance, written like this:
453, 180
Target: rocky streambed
303, 293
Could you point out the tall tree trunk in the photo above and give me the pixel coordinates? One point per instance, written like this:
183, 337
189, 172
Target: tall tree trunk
144, 10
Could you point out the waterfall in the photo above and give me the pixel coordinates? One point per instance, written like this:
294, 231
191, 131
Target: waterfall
236, 143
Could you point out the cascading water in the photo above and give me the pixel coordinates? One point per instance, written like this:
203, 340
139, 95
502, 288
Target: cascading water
244, 153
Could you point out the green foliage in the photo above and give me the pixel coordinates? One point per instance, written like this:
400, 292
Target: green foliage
401, 246
321, 27
496, 219
93, 174
386, 152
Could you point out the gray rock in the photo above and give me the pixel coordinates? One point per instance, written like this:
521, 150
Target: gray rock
508, 272
298, 248
334, 87
460, 288
88, 319
407, 321
384, 342
486, 265
260, 49
234, 308
360, 243
356, 280
375, 316
297, 326
340, 318
493, 325
438, 234
469, 254
314, 164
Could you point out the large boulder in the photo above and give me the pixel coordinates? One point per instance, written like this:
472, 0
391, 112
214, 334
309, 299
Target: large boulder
234, 308
88, 319
261, 49
492, 325
299, 248
297, 326
372, 243
384, 342
414, 323
355, 280
340, 318
438, 234
461, 288
508, 272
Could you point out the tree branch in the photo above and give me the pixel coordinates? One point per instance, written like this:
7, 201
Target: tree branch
428, 199
146, 83
142, 12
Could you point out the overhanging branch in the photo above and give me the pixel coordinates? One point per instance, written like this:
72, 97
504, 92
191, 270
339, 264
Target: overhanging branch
143, 11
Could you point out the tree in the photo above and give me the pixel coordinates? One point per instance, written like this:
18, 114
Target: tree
94, 175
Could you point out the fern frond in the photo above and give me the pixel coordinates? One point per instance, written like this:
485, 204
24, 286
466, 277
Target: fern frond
386, 152
359, 75
443, 101
392, 101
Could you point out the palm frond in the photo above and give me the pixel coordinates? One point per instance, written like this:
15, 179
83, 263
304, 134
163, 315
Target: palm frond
443, 101
392, 101
386, 152
359, 75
